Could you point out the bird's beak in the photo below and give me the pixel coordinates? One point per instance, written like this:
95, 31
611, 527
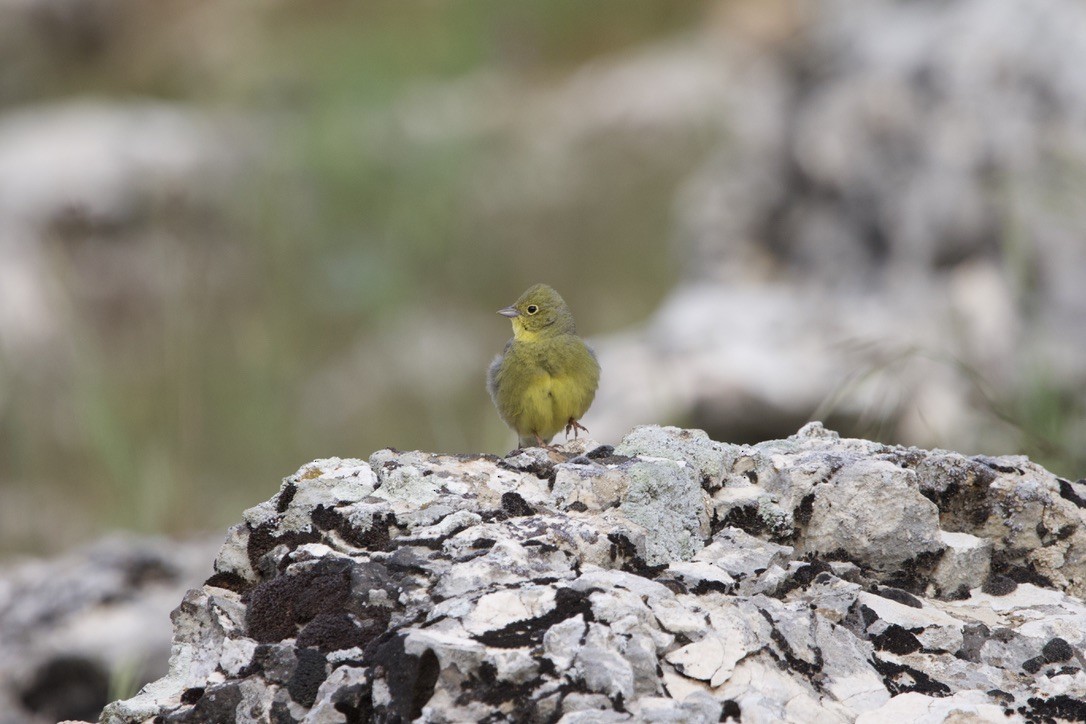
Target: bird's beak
509, 312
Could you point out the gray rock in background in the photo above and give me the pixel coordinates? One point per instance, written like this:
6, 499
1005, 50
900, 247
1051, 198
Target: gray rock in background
670, 578
891, 231
77, 629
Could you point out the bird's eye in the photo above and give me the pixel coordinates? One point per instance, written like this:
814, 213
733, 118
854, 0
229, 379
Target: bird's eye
532, 309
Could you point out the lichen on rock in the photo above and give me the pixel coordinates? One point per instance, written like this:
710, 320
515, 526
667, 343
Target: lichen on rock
670, 578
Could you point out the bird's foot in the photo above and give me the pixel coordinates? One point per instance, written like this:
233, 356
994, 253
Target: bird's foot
575, 426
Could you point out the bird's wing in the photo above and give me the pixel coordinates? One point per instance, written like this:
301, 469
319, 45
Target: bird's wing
492, 375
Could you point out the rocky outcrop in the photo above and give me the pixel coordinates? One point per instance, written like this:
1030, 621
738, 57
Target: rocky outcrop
669, 578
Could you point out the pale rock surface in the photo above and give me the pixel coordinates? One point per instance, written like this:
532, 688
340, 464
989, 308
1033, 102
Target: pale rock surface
852, 581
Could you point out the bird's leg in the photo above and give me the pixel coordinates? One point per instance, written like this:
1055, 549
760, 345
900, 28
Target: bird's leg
539, 440
575, 426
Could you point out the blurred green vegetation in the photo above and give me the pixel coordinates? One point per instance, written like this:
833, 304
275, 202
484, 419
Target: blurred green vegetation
344, 237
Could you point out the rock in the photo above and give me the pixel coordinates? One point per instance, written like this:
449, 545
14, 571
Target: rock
872, 512
709, 458
966, 563
841, 244
73, 627
966, 706
561, 584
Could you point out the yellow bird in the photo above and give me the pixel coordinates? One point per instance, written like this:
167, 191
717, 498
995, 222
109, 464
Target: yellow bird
547, 376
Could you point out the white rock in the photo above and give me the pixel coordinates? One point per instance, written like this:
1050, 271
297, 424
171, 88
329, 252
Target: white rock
965, 563
964, 706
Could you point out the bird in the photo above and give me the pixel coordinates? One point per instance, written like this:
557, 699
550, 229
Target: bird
546, 377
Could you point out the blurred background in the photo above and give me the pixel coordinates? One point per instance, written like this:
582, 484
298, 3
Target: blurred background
235, 237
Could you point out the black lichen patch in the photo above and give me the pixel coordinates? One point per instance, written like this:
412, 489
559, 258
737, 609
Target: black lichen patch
541, 546
901, 679
410, 679
544, 470
1007, 469
705, 586
605, 455
1057, 650
230, 581
731, 711
333, 632
374, 537
192, 695
285, 497
747, 519
277, 607
216, 704
842, 556
1048, 537
1033, 665
483, 685
514, 505
577, 506
483, 543
1058, 707
803, 576
896, 640
709, 485
896, 594
309, 674
528, 632
68, 687
263, 538
355, 703
960, 593
624, 553
1068, 492
806, 574
914, 574
1005, 564
963, 502
803, 512
997, 585
800, 666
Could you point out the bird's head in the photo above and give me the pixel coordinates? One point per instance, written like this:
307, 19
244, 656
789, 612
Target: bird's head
540, 312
